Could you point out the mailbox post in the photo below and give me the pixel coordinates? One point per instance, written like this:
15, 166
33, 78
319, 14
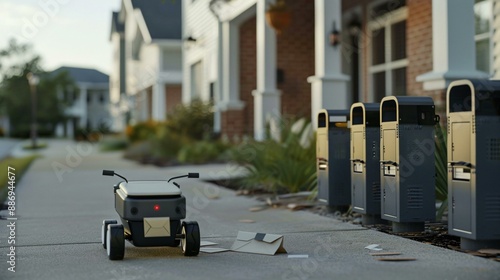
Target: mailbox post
407, 171
332, 158
473, 110
365, 157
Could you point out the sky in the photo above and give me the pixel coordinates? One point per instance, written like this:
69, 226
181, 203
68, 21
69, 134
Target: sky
63, 32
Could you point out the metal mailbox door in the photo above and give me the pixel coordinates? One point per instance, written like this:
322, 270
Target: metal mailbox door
358, 172
389, 173
461, 192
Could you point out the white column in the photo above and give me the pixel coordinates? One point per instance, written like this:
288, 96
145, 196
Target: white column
453, 45
329, 84
220, 79
159, 102
267, 98
230, 67
84, 92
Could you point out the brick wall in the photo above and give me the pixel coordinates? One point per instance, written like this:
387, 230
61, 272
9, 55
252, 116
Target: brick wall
295, 47
418, 46
173, 96
419, 49
248, 80
231, 123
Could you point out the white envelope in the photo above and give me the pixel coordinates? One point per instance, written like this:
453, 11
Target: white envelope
157, 227
258, 243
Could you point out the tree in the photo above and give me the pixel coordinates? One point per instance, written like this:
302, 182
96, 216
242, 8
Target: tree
16, 61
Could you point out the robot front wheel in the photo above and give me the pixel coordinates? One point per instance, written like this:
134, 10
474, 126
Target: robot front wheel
190, 243
104, 230
115, 242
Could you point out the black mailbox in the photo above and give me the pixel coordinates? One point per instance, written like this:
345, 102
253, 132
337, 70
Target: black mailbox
365, 157
473, 109
407, 170
332, 156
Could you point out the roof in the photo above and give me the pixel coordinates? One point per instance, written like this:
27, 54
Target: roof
83, 75
163, 17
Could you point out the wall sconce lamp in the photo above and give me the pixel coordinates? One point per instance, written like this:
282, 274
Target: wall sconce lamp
190, 39
334, 36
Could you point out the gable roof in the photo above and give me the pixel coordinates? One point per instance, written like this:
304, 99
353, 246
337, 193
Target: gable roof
163, 18
83, 75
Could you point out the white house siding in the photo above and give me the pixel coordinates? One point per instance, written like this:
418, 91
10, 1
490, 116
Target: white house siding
171, 59
97, 108
116, 84
202, 25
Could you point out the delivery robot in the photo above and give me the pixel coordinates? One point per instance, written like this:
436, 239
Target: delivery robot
150, 214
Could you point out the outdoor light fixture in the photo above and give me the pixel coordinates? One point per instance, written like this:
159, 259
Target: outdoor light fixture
190, 39
334, 36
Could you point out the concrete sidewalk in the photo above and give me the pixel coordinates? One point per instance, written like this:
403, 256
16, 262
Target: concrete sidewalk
62, 200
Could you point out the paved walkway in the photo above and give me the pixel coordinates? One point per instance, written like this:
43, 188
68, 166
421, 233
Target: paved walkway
62, 200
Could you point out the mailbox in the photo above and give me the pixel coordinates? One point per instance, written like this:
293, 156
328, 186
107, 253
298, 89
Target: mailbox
365, 157
332, 156
407, 171
473, 110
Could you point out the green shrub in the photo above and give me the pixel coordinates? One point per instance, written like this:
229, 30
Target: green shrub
280, 166
194, 121
142, 131
167, 144
138, 150
201, 152
109, 144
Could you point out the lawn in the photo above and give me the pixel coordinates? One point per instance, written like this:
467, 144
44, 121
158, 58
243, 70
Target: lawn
20, 165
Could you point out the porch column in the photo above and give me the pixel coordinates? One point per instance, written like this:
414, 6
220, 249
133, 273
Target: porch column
329, 84
229, 70
453, 45
84, 107
267, 98
159, 102
220, 80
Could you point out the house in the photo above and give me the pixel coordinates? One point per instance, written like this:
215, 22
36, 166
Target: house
146, 78
88, 101
333, 53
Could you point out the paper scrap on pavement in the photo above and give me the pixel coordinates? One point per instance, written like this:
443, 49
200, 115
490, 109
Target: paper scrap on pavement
211, 250
374, 247
256, 209
298, 256
207, 243
258, 243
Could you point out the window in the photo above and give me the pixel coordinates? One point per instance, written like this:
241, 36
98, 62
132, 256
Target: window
483, 18
76, 95
102, 97
388, 59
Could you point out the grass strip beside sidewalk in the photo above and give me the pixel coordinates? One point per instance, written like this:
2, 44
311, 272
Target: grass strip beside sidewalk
20, 165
